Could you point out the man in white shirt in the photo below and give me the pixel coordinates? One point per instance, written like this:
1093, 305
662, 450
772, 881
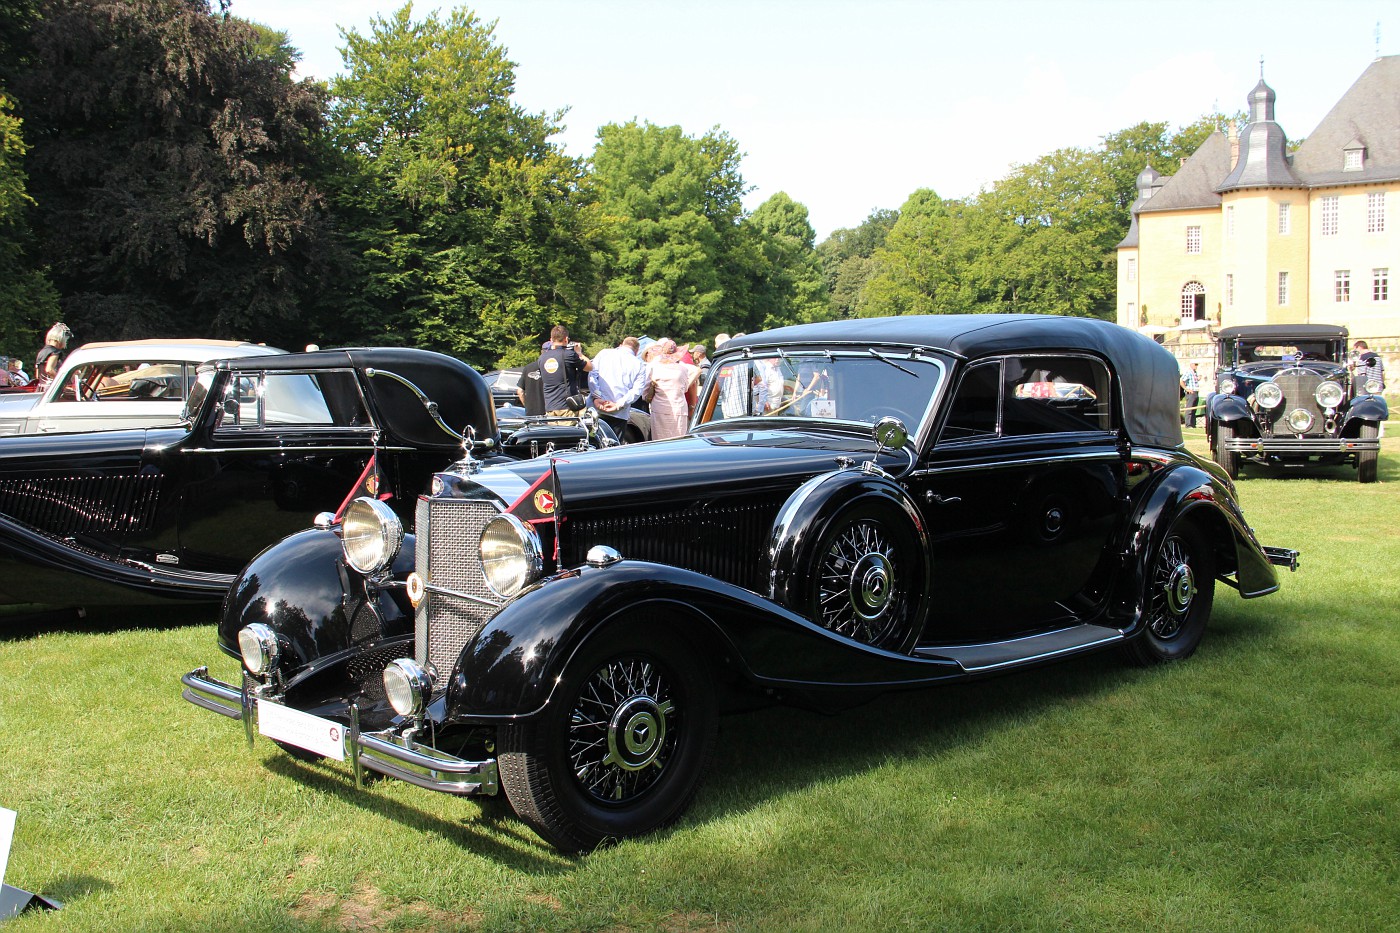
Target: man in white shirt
616, 381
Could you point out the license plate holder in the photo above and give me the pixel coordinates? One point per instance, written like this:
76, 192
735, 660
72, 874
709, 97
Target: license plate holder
325, 737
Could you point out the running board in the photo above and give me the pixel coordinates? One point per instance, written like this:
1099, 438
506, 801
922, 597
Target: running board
1028, 650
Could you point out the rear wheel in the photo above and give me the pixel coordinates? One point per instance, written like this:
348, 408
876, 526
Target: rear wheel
1229, 460
1178, 592
1367, 460
620, 749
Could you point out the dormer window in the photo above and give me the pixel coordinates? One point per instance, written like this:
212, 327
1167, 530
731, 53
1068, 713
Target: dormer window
1353, 158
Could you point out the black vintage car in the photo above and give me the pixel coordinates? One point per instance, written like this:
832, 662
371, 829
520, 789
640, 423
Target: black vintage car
266, 443
932, 499
1286, 396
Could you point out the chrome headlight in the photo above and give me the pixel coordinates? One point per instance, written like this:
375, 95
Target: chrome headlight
1268, 395
1227, 385
370, 535
1329, 394
1299, 420
258, 645
511, 556
1373, 387
408, 687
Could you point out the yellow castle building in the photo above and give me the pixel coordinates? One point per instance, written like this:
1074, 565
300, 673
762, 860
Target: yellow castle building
1247, 233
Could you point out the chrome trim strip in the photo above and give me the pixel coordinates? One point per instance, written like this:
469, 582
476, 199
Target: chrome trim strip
328, 448
1341, 445
445, 591
1108, 456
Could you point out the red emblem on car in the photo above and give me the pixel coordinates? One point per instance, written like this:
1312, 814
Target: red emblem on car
544, 502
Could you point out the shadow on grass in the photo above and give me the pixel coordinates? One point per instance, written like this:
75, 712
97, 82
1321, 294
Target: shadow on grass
69, 889
22, 622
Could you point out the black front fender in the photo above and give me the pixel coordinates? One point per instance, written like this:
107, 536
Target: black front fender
1366, 408
509, 670
1228, 408
320, 608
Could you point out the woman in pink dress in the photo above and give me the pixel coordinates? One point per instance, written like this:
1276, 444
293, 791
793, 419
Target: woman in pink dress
672, 384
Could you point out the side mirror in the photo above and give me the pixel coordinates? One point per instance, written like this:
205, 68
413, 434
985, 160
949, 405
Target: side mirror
891, 433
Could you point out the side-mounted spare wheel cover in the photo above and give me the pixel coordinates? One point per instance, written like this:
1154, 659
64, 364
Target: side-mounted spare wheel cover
849, 551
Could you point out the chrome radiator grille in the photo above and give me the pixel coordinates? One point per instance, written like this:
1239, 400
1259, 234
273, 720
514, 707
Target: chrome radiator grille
447, 556
1299, 386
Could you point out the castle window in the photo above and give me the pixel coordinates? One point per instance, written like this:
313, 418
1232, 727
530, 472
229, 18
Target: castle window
1353, 159
1230, 221
1193, 240
1341, 285
1285, 218
1375, 212
1380, 284
1132, 269
1229, 289
1329, 215
1193, 302
1283, 289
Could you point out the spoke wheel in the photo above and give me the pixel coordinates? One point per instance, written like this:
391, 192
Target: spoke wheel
620, 749
1177, 599
1366, 460
867, 577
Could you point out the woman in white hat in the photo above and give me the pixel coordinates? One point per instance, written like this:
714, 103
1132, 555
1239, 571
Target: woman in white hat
672, 382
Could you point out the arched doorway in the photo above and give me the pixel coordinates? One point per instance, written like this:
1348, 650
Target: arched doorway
1193, 303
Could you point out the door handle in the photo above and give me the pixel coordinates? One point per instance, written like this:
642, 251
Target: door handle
934, 498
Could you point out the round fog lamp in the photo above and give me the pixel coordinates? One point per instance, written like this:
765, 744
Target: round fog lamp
511, 556
258, 645
1268, 395
1329, 394
1299, 420
1227, 385
370, 535
407, 686
1373, 387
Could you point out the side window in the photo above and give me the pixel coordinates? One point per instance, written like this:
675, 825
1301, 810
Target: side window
276, 400
124, 382
1055, 395
974, 409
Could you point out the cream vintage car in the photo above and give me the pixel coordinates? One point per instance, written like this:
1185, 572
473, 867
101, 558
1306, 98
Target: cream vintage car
110, 386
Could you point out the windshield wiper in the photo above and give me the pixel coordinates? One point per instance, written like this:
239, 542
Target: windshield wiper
880, 356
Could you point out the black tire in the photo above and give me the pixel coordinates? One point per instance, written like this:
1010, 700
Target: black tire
1367, 460
1178, 592
621, 747
1229, 460
866, 577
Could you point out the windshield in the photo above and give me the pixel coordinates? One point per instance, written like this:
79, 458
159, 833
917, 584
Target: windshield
854, 387
1282, 350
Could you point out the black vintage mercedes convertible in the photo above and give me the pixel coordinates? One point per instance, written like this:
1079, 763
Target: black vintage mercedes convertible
925, 500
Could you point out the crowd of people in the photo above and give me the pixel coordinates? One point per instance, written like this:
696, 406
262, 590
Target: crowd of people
660, 377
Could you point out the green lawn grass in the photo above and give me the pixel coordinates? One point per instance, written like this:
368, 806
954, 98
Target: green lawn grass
1254, 787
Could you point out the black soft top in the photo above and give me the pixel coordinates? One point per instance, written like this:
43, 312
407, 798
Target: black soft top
1148, 372
461, 394
1278, 331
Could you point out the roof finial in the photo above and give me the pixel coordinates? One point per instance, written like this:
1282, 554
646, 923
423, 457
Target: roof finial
1378, 38
1261, 67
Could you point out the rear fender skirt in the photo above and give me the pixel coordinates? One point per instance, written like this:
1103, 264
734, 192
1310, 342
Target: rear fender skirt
1229, 408
20, 544
510, 668
301, 588
1366, 408
1189, 491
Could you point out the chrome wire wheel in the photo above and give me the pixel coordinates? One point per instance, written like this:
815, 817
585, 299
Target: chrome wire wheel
1172, 590
862, 579
623, 730
1178, 591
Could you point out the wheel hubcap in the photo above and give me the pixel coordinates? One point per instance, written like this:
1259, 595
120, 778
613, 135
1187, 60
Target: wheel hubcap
858, 584
622, 730
871, 586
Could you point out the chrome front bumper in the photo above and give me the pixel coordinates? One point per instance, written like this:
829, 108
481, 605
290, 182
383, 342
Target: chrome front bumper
1301, 445
387, 752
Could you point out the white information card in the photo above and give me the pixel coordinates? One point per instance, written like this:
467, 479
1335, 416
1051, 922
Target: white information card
7, 833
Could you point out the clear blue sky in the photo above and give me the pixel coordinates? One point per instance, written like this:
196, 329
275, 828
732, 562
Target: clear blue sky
851, 105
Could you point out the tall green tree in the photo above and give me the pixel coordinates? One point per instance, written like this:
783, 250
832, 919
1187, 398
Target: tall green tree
787, 287
165, 148
847, 260
474, 232
679, 263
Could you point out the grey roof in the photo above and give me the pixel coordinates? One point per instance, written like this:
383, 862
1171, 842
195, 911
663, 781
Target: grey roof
1263, 161
1195, 185
1369, 112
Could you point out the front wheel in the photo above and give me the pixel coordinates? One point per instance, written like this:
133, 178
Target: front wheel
620, 749
1178, 592
1366, 460
1229, 460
